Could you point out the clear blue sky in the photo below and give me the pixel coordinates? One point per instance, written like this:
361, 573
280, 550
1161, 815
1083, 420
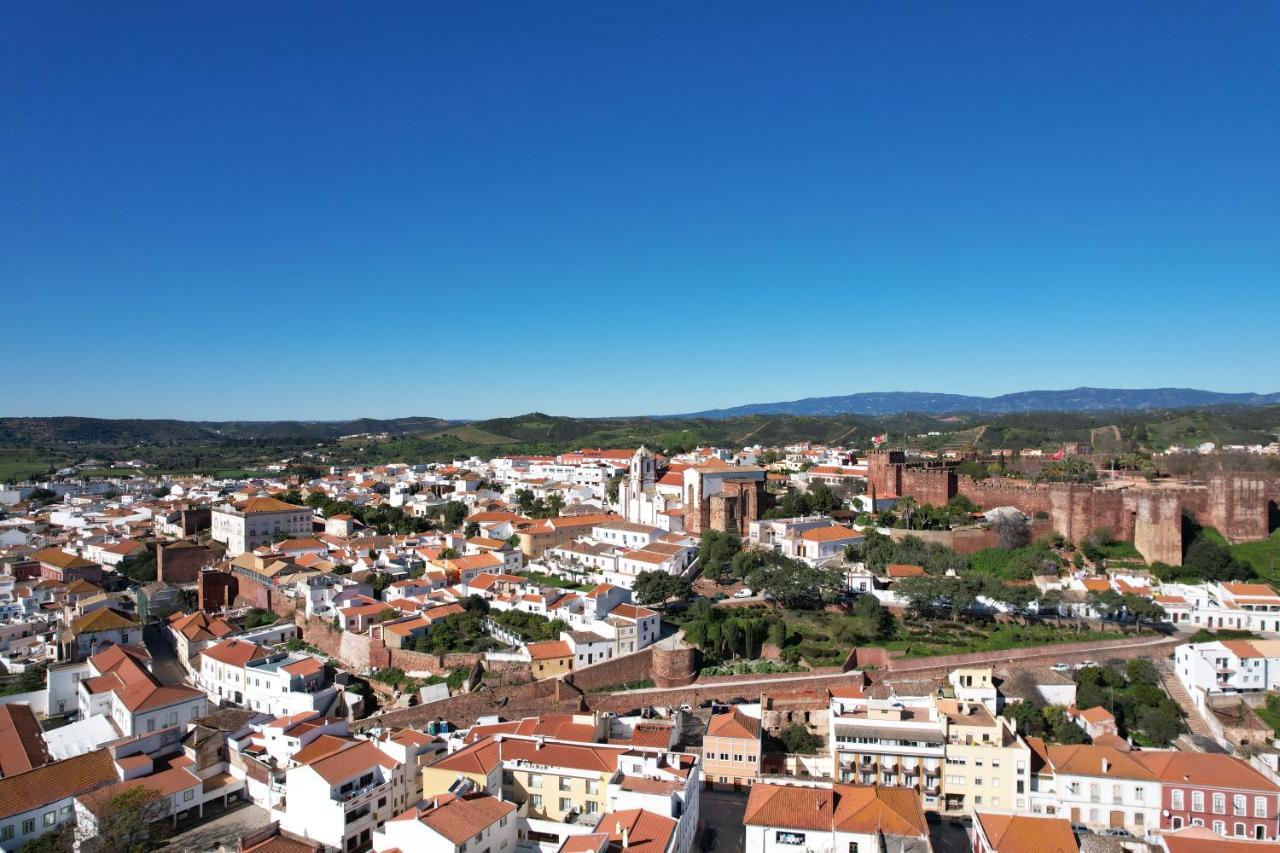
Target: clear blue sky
469, 210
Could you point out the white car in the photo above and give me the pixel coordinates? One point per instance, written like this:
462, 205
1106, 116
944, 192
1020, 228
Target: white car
743, 593
1061, 667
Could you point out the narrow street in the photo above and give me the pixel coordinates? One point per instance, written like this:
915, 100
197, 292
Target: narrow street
164, 660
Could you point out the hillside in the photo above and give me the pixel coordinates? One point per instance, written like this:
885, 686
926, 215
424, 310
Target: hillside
1073, 400
33, 446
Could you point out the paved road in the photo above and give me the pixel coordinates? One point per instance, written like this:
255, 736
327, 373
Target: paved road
220, 832
947, 837
164, 660
724, 811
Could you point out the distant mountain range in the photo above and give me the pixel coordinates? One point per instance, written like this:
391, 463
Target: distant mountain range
876, 403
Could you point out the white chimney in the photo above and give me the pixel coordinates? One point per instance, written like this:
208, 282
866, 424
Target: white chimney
626, 837
1106, 766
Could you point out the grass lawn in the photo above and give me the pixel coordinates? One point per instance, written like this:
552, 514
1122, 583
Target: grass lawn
1271, 717
1263, 555
18, 464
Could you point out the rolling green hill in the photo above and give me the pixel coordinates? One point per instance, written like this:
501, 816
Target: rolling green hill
33, 445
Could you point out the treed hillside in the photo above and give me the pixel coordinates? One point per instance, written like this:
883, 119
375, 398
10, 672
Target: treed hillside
30, 446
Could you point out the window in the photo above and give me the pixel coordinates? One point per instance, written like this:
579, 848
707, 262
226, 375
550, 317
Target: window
1219, 803
1197, 801
50, 818
592, 807
188, 796
6, 833
28, 826
565, 783
1177, 823
1175, 799
536, 800
853, 847
1240, 830
1139, 793
535, 781
565, 804
1219, 827
1239, 805
65, 811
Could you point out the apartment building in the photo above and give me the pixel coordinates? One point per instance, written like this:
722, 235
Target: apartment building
1219, 792
889, 742
563, 788
342, 796
731, 747
1227, 667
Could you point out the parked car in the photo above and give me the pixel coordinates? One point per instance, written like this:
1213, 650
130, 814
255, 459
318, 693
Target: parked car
743, 593
1061, 667
1117, 832
1085, 664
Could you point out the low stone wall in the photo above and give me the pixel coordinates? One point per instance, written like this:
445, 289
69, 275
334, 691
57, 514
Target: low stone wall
356, 651
411, 661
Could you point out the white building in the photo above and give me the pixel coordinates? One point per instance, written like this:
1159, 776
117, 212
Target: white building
1226, 667
339, 798
278, 683
451, 824
258, 521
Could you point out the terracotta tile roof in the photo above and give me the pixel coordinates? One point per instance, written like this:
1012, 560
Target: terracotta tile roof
870, 809
1027, 834
480, 757
832, 533
102, 619
235, 652
1095, 715
199, 626
549, 650
646, 832
1250, 590
1088, 760
790, 807
27, 791
253, 505
903, 570
1203, 768
61, 559
632, 611
1199, 839
22, 745
303, 668
354, 760
320, 747
733, 724
459, 818
862, 809
651, 735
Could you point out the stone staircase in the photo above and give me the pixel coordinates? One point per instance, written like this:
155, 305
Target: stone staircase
1178, 692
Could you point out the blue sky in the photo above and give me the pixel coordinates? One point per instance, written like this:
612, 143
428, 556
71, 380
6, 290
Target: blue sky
469, 210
